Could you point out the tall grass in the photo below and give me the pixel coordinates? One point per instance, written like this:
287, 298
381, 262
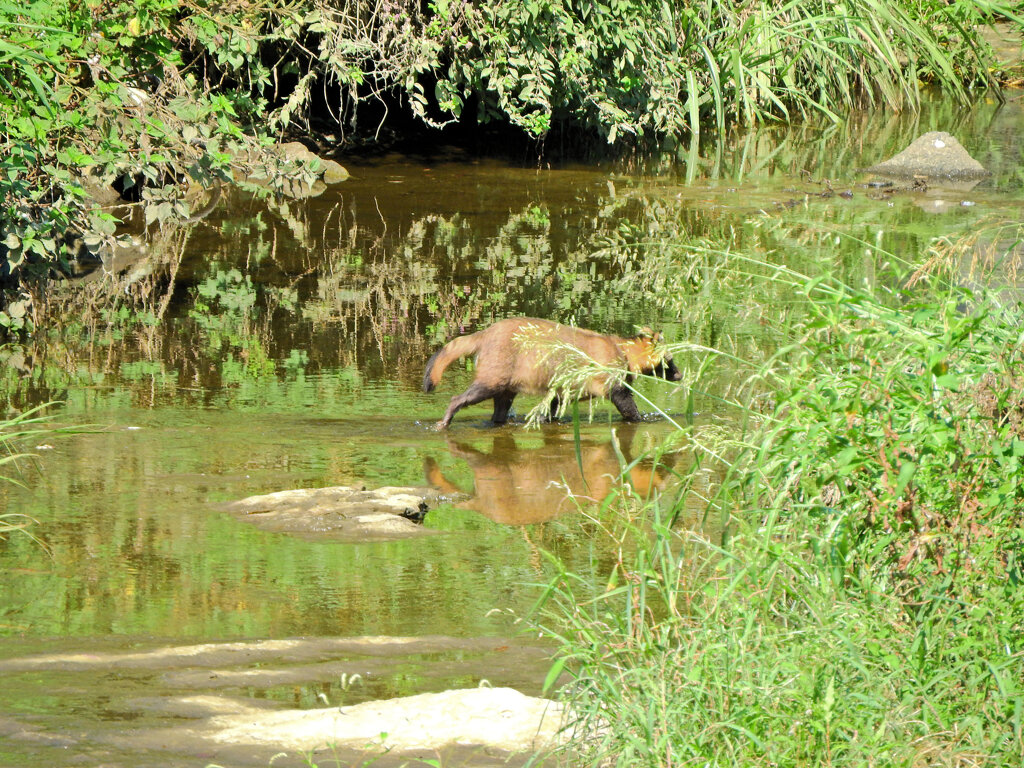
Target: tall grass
865, 606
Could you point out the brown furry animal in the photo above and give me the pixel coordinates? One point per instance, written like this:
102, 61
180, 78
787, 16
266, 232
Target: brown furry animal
522, 355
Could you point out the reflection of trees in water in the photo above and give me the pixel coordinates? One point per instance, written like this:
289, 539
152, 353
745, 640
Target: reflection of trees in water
451, 275
257, 291
99, 323
381, 293
136, 543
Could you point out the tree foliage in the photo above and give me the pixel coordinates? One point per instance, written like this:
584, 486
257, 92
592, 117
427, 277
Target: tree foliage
646, 68
131, 94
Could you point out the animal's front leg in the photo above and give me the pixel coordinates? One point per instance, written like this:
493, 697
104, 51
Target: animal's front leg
622, 399
553, 409
502, 404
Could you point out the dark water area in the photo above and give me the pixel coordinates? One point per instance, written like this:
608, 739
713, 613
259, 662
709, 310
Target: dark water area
281, 344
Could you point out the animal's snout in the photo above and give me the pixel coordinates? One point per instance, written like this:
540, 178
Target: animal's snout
668, 371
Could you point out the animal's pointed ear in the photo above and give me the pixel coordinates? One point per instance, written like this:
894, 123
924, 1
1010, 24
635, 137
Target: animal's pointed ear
658, 337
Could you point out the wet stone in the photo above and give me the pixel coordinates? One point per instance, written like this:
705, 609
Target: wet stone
935, 155
339, 512
333, 172
497, 718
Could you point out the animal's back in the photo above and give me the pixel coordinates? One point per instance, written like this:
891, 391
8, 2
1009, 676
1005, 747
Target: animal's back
523, 353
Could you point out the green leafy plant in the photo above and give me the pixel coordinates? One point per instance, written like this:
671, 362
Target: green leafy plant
859, 602
115, 101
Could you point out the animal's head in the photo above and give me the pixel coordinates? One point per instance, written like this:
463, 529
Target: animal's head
653, 358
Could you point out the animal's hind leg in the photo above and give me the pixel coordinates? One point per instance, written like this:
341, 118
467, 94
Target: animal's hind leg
502, 404
475, 394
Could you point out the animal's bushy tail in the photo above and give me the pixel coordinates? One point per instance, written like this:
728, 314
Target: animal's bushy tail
446, 355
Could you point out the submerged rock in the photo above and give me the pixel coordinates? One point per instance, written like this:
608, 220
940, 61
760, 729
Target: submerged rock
338, 512
935, 155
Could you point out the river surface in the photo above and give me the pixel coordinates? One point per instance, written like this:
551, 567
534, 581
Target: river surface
281, 345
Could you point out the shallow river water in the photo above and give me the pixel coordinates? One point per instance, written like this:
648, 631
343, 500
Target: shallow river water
281, 345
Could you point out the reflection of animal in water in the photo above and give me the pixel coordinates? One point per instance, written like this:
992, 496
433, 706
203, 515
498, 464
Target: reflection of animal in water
522, 354
517, 486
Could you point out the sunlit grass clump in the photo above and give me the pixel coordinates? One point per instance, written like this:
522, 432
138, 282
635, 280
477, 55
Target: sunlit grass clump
865, 606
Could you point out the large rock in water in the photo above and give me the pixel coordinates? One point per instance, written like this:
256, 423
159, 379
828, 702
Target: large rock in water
937, 155
338, 512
